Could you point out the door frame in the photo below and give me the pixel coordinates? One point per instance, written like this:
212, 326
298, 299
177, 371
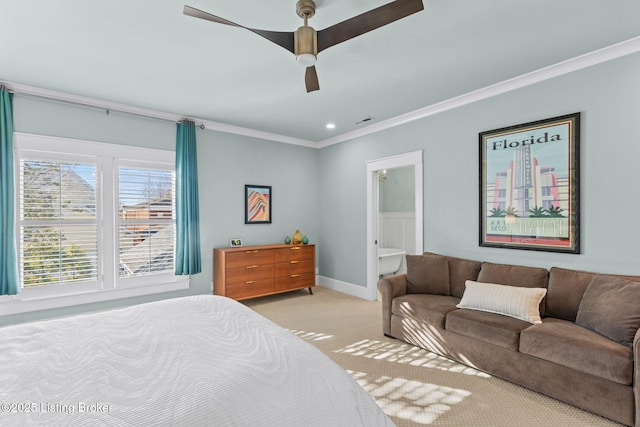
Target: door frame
413, 158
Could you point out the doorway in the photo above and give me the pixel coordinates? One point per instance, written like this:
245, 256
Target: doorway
396, 219
375, 170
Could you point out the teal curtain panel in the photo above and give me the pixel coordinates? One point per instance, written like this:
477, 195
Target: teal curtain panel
9, 281
187, 206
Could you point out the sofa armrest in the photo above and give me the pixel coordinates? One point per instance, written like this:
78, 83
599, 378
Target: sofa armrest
390, 287
636, 375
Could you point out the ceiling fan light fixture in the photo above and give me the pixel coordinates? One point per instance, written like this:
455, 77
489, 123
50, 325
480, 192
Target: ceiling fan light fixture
306, 59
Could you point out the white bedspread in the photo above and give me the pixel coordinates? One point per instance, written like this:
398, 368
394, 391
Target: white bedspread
201, 360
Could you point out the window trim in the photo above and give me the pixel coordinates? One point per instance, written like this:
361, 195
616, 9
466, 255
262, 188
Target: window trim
108, 156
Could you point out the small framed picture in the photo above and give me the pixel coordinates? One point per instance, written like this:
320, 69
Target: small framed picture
257, 204
235, 242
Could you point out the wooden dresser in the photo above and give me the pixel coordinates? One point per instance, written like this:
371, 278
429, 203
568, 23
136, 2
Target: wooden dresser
254, 271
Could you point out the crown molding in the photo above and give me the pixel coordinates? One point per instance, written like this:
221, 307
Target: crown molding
599, 56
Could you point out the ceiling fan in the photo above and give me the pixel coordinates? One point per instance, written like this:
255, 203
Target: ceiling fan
305, 43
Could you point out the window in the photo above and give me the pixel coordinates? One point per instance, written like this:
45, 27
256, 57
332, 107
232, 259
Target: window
58, 222
146, 223
93, 222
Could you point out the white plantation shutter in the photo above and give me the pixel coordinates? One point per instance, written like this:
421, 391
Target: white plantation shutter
146, 221
95, 222
58, 222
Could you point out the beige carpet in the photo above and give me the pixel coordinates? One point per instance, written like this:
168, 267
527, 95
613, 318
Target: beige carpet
414, 387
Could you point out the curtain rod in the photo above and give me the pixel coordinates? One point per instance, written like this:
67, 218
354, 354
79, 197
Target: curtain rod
86, 101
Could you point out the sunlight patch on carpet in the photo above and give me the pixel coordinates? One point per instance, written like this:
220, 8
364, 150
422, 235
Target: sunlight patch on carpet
311, 336
416, 401
406, 354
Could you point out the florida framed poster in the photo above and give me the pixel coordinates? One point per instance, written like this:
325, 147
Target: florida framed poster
257, 204
529, 185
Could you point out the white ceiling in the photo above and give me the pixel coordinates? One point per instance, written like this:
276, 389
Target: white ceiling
146, 53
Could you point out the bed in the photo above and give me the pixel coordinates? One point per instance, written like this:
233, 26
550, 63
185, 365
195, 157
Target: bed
200, 360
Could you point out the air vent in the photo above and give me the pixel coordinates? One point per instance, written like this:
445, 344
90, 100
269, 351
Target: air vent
364, 120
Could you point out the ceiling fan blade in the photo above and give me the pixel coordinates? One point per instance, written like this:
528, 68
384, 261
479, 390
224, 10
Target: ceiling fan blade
366, 22
197, 13
311, 79
281, 38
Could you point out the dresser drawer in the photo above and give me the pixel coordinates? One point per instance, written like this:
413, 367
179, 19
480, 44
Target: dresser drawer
249, 257
295, 253
251, 289
249, 273
294, 267
295, 281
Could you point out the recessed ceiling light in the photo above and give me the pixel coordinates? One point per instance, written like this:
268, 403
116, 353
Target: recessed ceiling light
330, 126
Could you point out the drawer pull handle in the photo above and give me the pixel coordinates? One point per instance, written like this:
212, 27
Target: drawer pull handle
250, 282
252, 252
293, 276
295, 248
293, 262
251, 266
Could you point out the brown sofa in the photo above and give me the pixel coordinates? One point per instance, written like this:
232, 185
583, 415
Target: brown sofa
583, 352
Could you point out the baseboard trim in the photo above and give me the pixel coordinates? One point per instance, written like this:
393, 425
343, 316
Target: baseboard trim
344, 287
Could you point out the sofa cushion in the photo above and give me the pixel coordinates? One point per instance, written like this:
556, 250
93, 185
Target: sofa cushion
567, 344
513, 301
425, 308
565, 291
427, 274
515, 275
610, 307
460, 270
496, 329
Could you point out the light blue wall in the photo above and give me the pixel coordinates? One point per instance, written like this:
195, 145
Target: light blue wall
607, 95
228, 162
225, 164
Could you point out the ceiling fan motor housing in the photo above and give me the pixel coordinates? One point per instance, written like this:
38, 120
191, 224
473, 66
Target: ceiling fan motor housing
306, 45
